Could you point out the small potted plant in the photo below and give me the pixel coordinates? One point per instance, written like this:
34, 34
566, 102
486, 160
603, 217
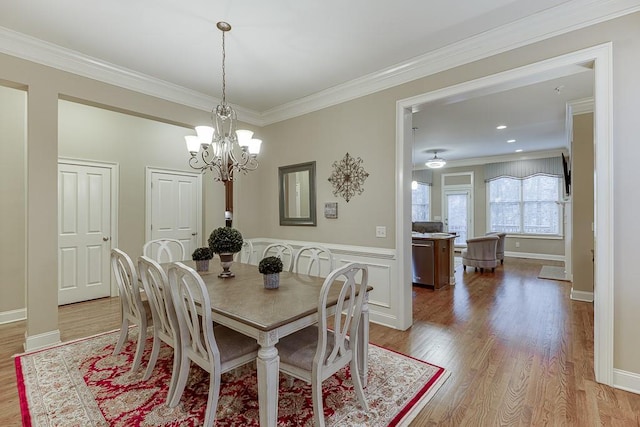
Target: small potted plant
270, 267
202, 256
225, 241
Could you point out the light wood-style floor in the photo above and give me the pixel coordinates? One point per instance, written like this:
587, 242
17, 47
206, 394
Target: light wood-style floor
519, 350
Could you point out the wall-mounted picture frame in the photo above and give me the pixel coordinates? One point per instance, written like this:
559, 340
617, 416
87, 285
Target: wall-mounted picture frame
331, 210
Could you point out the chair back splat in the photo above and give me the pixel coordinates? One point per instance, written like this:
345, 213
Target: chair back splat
246, 253
216, 350
133, 308
164, 250
283, 251
315, 353
165, 322
314, 257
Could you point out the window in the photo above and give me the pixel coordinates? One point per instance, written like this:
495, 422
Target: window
525, 206
420, 206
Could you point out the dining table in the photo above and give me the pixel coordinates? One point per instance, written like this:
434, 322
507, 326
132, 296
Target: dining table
242, 303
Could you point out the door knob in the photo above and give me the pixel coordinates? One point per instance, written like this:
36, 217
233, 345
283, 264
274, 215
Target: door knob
105, 239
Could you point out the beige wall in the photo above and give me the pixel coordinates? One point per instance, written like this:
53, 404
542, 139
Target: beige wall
134, 143
364, 127
13, 105
582, 200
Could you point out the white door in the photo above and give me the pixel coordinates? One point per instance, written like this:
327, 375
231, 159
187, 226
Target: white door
84, 232
457, 214
173, 208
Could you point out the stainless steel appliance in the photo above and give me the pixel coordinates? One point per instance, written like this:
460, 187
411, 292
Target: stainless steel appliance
422, 262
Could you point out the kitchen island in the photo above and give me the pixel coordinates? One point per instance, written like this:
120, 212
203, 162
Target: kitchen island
432, 259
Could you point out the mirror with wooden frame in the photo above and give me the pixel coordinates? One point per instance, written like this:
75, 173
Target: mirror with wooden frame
297, 184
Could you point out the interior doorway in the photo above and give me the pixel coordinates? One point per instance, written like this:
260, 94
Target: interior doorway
598, 57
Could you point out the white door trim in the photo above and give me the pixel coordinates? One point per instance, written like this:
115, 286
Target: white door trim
602, 59
147, 200
115, 173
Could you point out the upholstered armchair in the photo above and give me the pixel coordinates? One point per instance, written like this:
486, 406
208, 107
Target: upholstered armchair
480, 253
500, 247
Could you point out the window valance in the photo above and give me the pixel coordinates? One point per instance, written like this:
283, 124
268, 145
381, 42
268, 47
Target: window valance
521, 169
423, 176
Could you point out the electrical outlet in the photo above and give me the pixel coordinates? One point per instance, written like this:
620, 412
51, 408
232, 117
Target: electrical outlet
381, 231
517, 244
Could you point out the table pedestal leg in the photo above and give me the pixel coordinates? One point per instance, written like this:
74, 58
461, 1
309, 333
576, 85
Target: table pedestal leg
268, 366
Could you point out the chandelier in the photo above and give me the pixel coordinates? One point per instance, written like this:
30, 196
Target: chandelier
221, 148
436, 162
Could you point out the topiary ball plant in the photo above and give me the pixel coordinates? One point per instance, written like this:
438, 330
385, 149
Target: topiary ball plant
225, 240
270, 265
202, 254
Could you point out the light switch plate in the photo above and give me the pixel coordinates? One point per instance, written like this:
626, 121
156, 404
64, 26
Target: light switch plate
381, 231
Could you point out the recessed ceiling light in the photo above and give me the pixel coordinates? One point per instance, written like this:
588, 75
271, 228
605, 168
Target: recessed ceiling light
519, 151
510, 141
500, 127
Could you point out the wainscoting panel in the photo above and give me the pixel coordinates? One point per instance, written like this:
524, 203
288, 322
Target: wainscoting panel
382, 270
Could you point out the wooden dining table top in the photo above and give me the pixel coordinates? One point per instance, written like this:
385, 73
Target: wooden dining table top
245, 299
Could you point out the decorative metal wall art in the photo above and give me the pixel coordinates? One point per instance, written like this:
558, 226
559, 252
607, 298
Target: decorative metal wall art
348, 177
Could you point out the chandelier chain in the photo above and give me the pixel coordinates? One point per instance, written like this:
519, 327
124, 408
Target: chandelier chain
218, 148
224, 75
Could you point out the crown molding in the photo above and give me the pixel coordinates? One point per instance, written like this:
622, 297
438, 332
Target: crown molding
582, 106
544, 154
42, 52
567, 17
552, 22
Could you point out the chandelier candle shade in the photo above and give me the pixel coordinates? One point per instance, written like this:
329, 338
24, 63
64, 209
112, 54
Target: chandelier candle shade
221, 148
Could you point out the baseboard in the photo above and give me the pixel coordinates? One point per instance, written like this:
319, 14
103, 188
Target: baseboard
35, 342
627, 381
532, 255
13, 316
581, 296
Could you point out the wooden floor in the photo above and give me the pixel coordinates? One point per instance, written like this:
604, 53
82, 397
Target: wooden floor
519, 350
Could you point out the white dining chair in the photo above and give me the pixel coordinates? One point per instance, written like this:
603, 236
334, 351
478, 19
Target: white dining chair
283, 251
165, 323
313, 258
315, 353
133, 307
246, 253
216, 350
164, 250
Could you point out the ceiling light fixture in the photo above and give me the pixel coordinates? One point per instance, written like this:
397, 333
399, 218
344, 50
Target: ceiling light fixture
519, 151
214, 148
500, 127
509, 141
436, 162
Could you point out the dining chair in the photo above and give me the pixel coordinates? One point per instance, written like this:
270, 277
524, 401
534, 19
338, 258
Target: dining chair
133, 307
223, 349
164, 250
283, 251
165, 323
315, 353
313, 257
246, 253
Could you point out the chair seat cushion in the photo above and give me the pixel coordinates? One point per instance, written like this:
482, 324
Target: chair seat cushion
233, 344
299, 348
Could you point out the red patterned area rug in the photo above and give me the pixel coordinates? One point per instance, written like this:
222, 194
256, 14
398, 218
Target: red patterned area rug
82, 384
